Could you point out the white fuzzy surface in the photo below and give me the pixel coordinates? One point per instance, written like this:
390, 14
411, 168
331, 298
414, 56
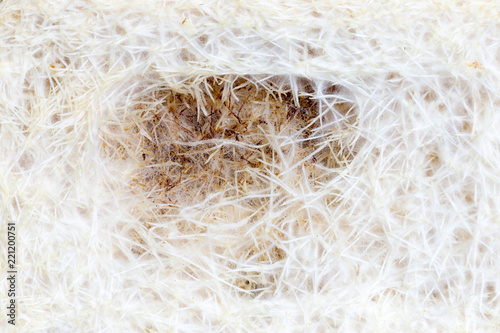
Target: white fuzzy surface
401, 236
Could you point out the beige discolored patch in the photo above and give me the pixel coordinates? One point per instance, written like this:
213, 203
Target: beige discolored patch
187, 152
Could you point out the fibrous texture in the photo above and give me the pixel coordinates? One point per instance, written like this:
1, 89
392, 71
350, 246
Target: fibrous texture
260, 166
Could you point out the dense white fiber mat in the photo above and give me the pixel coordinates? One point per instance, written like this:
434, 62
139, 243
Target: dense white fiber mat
250, 166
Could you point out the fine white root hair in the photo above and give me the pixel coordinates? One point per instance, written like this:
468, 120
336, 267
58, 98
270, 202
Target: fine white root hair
260, 166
